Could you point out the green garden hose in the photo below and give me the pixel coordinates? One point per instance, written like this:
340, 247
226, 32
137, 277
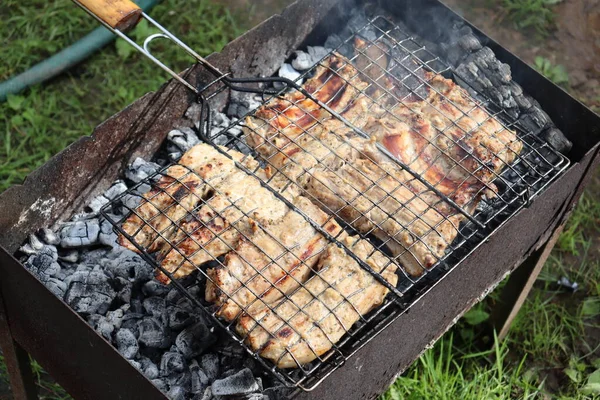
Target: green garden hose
64, 59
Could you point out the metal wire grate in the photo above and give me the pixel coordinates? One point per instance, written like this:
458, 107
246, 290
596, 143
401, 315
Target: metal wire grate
377, 175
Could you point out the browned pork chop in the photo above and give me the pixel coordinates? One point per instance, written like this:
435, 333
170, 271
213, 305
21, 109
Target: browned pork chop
274, 260
318, 314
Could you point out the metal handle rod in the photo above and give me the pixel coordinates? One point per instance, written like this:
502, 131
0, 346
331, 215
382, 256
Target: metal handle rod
94, 8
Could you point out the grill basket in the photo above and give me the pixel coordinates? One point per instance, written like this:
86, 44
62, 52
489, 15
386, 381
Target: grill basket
192, 218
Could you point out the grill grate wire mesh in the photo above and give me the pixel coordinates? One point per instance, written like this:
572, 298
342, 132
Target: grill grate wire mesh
195, 217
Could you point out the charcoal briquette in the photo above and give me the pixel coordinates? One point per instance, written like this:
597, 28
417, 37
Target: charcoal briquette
171, 362
80, 233
127, 344
176, 393
149, 368
116, 189
242, 382
157, 307
154, 288
210, 364
89, 292
194, 340
152, 333
179, 318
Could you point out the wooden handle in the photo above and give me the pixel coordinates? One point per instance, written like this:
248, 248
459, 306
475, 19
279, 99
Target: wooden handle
119, 14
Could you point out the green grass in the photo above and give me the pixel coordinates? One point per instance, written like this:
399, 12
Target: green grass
534, 14
556, 73
38, 124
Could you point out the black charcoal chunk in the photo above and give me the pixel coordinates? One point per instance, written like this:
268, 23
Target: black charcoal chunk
89, 292
131, 320
105, 325
241, 103
152, 333
127, 264
176, 393
288, 72
242, 382
534, 120
140, 169
256, 396
171, 362
136, 364
193, 112
149, 369
80, 233
357, 22
469, 43
56, 286
107, 235
97, 203
332, 42
207, 395
194, 340
557, 140
198, 379
127, 343
129, 202
277, 392
157, 307
179, 141
43, 264
116, 189
523, 102
210, 365
173, 296
179, 318
123, 288
154, 288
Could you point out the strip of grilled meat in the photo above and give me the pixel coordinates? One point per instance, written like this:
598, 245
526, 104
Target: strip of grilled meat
317, 315
272, 261
216, 227
178, 192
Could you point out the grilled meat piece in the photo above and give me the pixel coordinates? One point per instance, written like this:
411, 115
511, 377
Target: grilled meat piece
286, 119
177, 193
317, 315
215, 228
272, 261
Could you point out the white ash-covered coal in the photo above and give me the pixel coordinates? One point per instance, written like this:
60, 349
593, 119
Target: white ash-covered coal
154, 326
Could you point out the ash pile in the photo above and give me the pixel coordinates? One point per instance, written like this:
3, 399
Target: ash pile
154, 326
